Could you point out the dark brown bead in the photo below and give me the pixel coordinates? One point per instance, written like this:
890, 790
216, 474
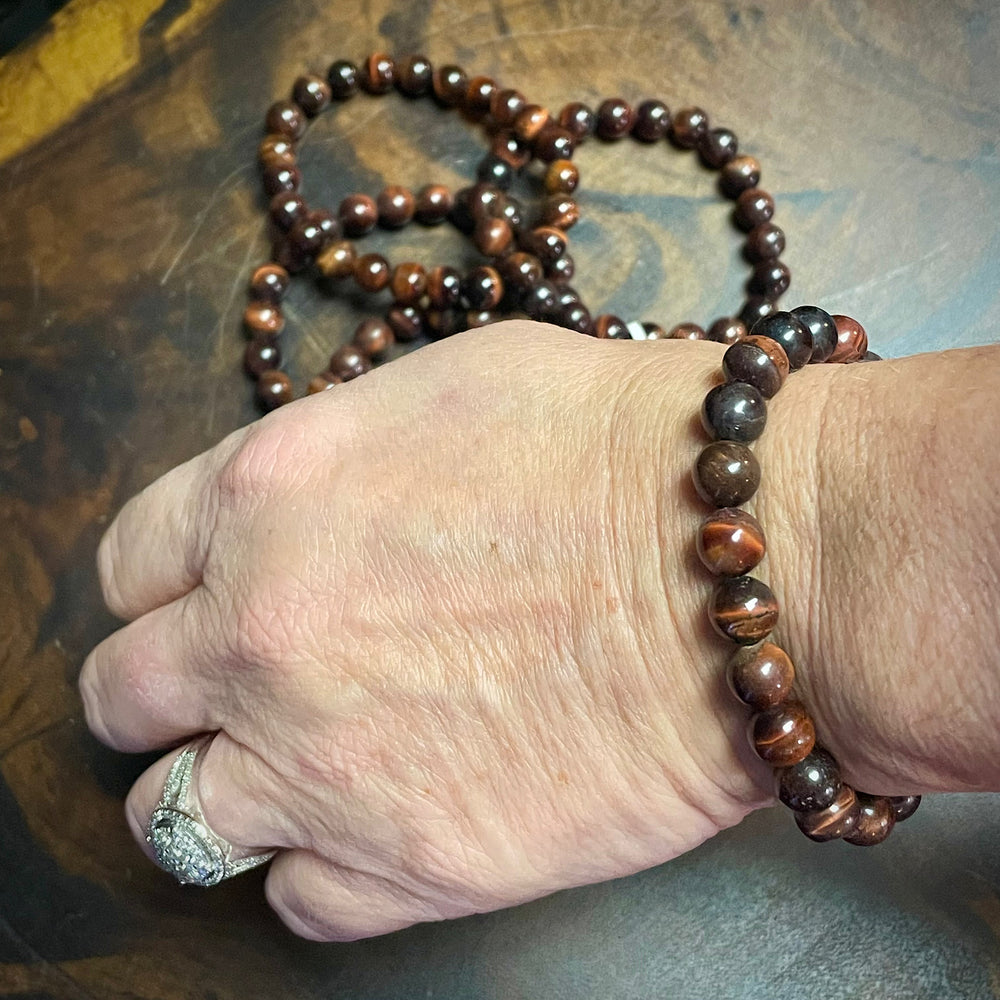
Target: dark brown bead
483, 288
761, 676
286, 118
753, 208
615, 118
358, 214
730, 542
348, 362
654, 331
377, 73
688, 126
396, 206
407, 322
413, 75
575, 316
373, 337
280, 177
758, 360
553, 143
783, 735
408, 283
718, 146
322, 382
652, 121
764, 242
609, 327
449, 84
739, 175
443, 322
505, 105
562, 177
743, 609
852, 341
835, 821
263, 317
529, 122
276, 149
372, 272
511, 211
492, 237
274, 389
268, 283
727, 330
343, 79
478, 94
734, 411
904, 806
285, 208
305, 238
474, 319
285, 256
756, 307
687, 331
311, 93
559, 210
726, 474
578, 119
541, 300
813, 783
561, 269
327, 223
337, 260
547, 243
875, 821
823, 329
770, 278
786, 329
433, 204
262, 354
481, 201
510, 148
521, 270
444, 287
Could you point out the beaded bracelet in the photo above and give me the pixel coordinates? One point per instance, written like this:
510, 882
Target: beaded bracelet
526, 273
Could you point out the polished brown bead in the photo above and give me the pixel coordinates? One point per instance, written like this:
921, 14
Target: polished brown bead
322, 382
717, 147
758, 360
743, 609
263, 317
559, 210
327, 223
444, 322
343, 79
852, 341
770, 278
562, 177
492, 237
541, 300
478, 94
377, 73
474, 319
575, 316
413, 75
764, 242
510, 148
904, 806
783, 735
274, 389
529, 122
285, 255
734, 411
305, 238
823, 329
608, 327
337, 260
761, 676
730, 542
280, 177
727, 330
373, 337
875, 821
561, 269
756, 307
688, 126
739, 175
408, 283
262, 354
407, 322
358, 214
835, 821
444, 287
578, 119
481, 201
348, 362
433, 204
449, 84
615, 118
505, 105
286, 118
547, 243
521, 270
276, 149
654, 331
396, 206
483, 288
687, 331
285, 208
813, 783
553, 143
311, 93
791, 333
372, 272
495, 170
652, 121
753, 208
268, 283
726, 474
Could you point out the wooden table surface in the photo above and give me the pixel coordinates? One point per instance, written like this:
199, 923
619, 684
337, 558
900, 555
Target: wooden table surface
130, 216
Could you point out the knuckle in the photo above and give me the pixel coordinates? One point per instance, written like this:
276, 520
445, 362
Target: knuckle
304, 918
109, 572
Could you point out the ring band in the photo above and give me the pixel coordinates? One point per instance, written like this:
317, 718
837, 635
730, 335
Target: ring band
182, 840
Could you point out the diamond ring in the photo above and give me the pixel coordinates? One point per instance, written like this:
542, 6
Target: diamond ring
179, 835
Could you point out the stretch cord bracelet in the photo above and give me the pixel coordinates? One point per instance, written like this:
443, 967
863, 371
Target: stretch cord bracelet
527, 273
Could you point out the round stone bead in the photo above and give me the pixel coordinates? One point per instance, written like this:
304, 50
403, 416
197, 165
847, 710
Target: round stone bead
396, 206
274, 389
739, 175
373, 337
760, 361
311, 93
482, 288
358, 214
852, 341
520, 270
495, 170
770, 278
434, 202
609, 327
322, 382
743, 609
727, 330
276, 149
530, 120
449, 84
407, 322
547, 243
688, 126
837, 820
408, 283
791, 333
286, 208
553, 143
348, 362
541, 301
444, 287
875, 821
372, 272
730, 542
734, 411
561, 270
343, 79
756, 307
493, 237
687, 331
761, 676
561, 177
652, 120
337, 261
904, 806
753, 208
560, 211
615, 118
377, 73
654, 331
327, 223
413, 75
287, 119
813, 783
717, 147
478, 95
506, 105
784, 735
269, 284
764, 242
262, 354
263, 317
507, 146
578, 119
576, 316
306, 238
726, 474
280, 177
823, 329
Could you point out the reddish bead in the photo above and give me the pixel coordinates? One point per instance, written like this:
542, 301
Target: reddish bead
358, 214
836, 820
373, 337
268, 283
281, 177
652, 121
433, 204
408, 283
286, 118
262, 354
263, 317
483, 288
578, 120
530, 120
852, 341
784, 735
274, 389
348, 362
904, 806
276, 149
562, 177
553, 143
449, 84
396, 206
760, 361
337, 260
688, 126
615, 118
377, 73
730, 541
510, 148
743, 609
761, 676
687, 331
286, 208
322, 382
753, 208
727, 330
717, 147
521, 270
764, 242
478, 95
875, 821
407, 322
311, 93
372, 273
739, 175
492, 237
444, 287
505, 105
560, 211
813, 783
726, 474
608, 327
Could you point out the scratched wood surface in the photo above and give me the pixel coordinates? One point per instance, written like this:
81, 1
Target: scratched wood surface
129, 218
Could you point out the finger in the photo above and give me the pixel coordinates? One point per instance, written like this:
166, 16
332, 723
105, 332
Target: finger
154, 551
321, 901
151, 683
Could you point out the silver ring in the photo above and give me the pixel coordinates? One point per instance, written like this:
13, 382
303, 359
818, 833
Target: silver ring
182, 840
